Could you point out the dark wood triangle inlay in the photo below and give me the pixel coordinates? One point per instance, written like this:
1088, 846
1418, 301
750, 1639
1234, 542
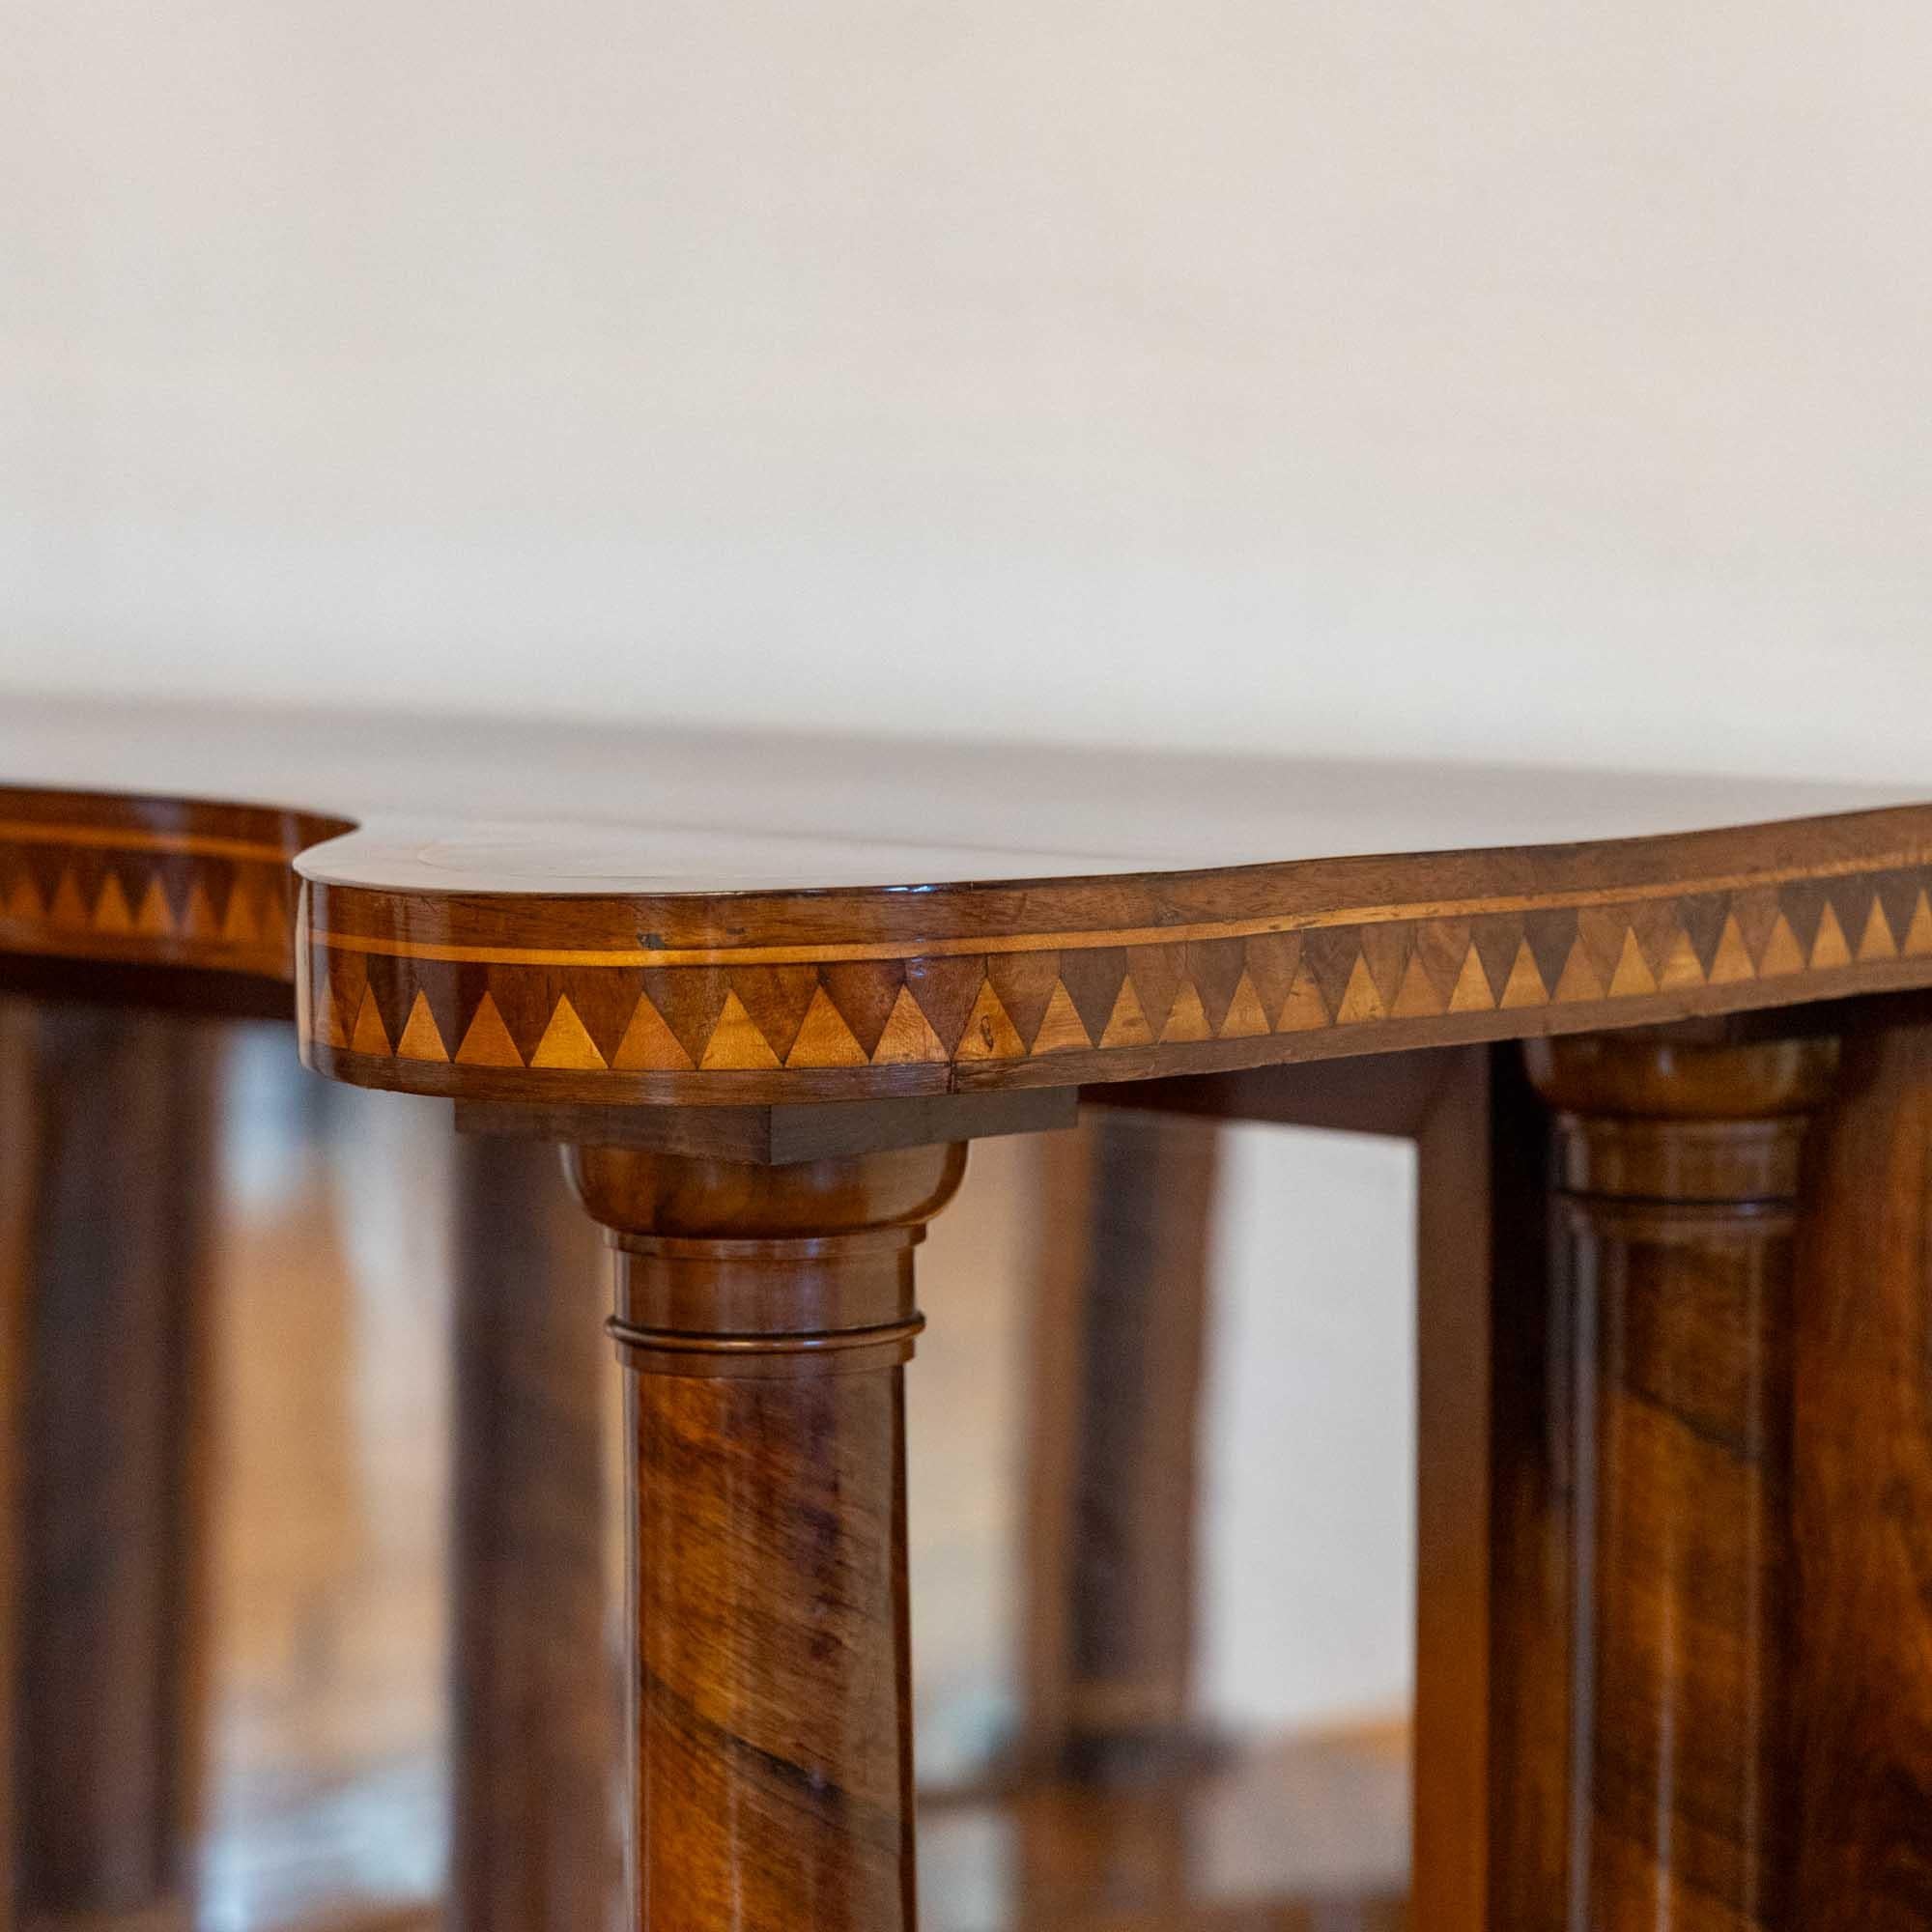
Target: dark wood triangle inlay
865, 995
1271, 959
1093, 976
946, 990
1157, 972
1025, 984
1498, 939
690, 998
1216, 966
1702, 916
1804, 903
776, 998
1332, 953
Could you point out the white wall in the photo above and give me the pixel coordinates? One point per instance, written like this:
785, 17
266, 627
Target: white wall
1483, 378
1479, 376
1308, 1599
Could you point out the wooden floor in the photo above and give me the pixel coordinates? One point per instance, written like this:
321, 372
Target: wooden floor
328, 1797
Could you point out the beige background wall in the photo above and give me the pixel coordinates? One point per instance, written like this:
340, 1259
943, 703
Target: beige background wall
1480, 379
1489, 378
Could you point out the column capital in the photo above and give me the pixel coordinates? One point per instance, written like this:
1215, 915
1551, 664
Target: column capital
726, 1268
1650, 1116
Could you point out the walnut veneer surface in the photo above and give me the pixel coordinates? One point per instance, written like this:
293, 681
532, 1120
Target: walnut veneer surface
668, 949
569, 915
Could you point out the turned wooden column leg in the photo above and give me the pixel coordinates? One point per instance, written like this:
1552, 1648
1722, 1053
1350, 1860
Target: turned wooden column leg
764, 1314
533, 1735
108, 1148
1679, 1175
1863, 1335
1120, 1326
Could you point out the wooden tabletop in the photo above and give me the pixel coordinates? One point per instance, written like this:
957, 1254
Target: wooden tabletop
514, 912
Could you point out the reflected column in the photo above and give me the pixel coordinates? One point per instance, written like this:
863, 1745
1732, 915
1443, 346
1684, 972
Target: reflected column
106, 1180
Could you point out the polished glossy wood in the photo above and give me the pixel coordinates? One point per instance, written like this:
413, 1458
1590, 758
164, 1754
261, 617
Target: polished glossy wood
727, 995
783, 799
1115, 1370
1507, 1587
721, 923
1679, 1169
1861, 1339
1389, 1094
327, 1641
583, 917
20, 1216
534, 1693
766, 1314
782, 1136
162, 882
1492, 1501
1494, 1469
110, 1148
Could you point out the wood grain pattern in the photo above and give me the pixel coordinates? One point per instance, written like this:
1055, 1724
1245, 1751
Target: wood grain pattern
1680, 1167
660, 955
766, 1314
1492, 1715
1494, 1467
1507, 1585
110, 1132
1494, 1471
1863, 1508
154, 882
782, 1136
23, 1151
637, 961
845, 995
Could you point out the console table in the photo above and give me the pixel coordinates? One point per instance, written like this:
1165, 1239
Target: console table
1658, 1042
